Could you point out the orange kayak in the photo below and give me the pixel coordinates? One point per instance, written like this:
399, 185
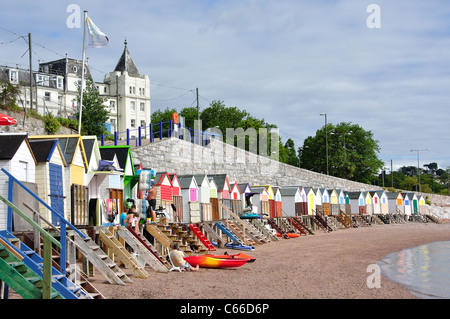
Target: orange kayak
291, 235
213, 261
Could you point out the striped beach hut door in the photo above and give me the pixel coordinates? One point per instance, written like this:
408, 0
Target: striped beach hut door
56, 191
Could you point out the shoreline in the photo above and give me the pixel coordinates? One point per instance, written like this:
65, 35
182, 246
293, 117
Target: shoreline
321, 266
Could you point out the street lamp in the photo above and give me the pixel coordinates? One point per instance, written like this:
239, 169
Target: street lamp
418, 168
326, 138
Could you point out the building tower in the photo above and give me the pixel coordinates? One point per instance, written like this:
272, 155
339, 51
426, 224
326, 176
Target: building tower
128, 96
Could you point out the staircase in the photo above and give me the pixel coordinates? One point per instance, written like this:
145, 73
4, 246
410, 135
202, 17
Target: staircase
159, 235
384, 218
20, 277
297, 219
229, 233
321, 222
151, 249
119, 250
208, 229
297, 226
197, 232
274, 225
138, 247
262, 228
73, 272
100, 260
345, 220
257, 235
243, 236
30, 259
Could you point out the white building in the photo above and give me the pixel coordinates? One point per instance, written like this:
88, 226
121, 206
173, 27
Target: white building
55, 90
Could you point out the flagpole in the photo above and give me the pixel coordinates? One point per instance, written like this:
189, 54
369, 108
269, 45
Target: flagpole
82, 73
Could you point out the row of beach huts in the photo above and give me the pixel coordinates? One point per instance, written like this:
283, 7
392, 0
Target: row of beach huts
90, 184
76, 189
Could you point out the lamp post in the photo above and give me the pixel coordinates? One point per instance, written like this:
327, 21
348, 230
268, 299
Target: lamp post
418, 168
326, 139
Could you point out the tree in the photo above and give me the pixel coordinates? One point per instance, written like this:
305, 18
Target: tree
352, 152
95, 113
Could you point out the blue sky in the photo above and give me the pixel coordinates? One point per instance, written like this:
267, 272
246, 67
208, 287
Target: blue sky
284, 61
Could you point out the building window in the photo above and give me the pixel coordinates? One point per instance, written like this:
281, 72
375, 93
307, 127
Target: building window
14, 76
47, 96
59, 83
142, 123
112, 105
131, 89
142, 107
133, 106
133, 123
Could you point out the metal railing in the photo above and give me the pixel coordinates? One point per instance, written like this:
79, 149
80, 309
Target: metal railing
157, 131
47, 255
63, 222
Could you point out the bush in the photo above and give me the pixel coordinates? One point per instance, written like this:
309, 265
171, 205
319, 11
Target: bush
51, 123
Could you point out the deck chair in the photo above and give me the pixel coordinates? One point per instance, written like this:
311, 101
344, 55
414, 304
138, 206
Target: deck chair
173, 266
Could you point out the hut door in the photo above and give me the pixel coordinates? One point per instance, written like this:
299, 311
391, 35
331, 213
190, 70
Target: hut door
215, 208
115, 193
56, 191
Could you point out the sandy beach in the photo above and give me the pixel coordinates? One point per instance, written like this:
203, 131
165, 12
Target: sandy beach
321, 266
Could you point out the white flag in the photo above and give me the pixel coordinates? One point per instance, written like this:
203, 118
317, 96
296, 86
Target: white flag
97, 39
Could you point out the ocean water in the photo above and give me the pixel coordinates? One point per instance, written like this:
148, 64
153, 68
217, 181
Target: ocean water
424, 270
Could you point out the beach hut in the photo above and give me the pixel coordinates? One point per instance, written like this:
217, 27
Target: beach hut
407, 204
235, 192
213, 199
275, 203
319, 201
376, 204
176, 188
204, 197
223, 185
260, 200
164, 192
191, 206
422, 205
348, 206
245, 189
50, 178
125, 160
383, 200
414, 200
368, 202
17, 158
301, 207
176, 196
311, 200
357, 202
334, 202
290, 196
73, 149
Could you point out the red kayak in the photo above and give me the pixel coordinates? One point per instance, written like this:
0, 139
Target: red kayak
216, 261
237, 256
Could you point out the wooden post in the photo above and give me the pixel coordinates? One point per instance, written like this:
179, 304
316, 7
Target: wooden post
47, 271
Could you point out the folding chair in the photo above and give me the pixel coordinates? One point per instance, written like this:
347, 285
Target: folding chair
173, 267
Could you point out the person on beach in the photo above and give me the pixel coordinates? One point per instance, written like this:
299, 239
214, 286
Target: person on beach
133, 220
151, 197
177, 257
123, 217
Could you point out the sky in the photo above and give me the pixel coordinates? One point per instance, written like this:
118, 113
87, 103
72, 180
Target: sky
385, 68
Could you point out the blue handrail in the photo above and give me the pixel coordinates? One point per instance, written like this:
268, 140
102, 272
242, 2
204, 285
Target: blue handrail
63, 222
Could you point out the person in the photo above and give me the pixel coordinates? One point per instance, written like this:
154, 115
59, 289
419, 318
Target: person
177, 256
151, 197
123, 217
133, 219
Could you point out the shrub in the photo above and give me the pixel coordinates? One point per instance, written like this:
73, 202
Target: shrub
51, 123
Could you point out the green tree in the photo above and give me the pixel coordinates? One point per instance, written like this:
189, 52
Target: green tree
95, 113
352, 152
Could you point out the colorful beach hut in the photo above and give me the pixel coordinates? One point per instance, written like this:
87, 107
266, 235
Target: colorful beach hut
407, 204
357, 203
235, 192
17, 158
311, 200
191, 206
290, 196
223, 185
260, 200
50, 178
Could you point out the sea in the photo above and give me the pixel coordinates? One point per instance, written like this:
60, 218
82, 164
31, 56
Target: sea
424, 270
